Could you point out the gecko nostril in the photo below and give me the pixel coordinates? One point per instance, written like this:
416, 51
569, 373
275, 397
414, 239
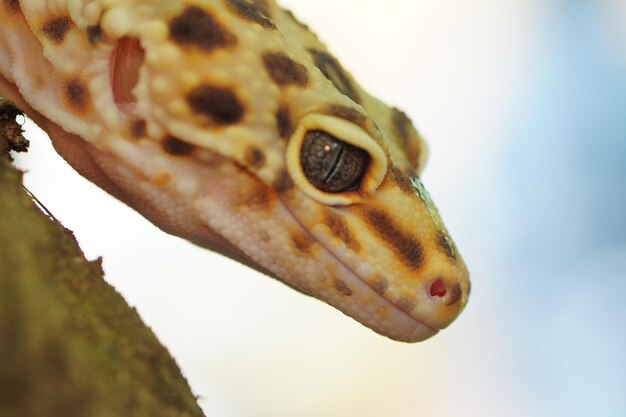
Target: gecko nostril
126, 60
438, 288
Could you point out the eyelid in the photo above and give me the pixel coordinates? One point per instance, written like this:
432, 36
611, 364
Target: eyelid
349, 133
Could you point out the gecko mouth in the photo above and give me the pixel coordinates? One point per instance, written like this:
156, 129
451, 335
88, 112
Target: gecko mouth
407, 327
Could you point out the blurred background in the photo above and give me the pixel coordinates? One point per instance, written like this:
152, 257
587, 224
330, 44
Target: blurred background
524, 106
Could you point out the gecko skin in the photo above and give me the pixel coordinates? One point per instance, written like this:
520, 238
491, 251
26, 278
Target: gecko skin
229, 123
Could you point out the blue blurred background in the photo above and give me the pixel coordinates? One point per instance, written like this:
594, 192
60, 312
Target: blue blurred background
565, 171
524, 106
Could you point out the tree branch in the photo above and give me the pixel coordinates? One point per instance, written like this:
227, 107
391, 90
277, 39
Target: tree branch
69, 343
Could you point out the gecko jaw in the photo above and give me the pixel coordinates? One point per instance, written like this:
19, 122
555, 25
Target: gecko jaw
407, 328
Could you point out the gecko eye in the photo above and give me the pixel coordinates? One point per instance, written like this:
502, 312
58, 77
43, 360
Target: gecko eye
335, 161
332, 165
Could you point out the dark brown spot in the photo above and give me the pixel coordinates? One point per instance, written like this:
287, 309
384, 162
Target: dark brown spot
400, 180
255, 158
12, 6
138, 128
340, 229
348, 113
77, 94
333, 71
401, 123
94, 33
455, 294
264, 236
406, 246
406, 304
444, 241
380, 285
250, 12
342, 288
263, 6
283, 122
409, 138
283, 182
196, 27
56, 28
175, 146
219, 104
284, 70
258, 197
302, 241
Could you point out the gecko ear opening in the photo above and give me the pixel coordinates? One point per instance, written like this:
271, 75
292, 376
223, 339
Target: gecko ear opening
334, 161
126, 61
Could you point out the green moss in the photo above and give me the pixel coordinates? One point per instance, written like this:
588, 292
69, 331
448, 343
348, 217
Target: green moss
69, 343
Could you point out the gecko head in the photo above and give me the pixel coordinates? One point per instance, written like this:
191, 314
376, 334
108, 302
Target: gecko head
310, 179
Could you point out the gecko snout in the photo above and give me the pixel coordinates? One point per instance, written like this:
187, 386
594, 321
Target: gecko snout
445, 297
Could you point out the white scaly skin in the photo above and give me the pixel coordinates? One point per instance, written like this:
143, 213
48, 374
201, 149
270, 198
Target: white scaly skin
194, 113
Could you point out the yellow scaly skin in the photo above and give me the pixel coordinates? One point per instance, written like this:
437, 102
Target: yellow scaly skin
193, 112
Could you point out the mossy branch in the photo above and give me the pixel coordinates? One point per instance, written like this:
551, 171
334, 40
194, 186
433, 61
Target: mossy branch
69, 343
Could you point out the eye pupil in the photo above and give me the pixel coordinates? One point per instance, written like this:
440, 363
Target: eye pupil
332, 165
